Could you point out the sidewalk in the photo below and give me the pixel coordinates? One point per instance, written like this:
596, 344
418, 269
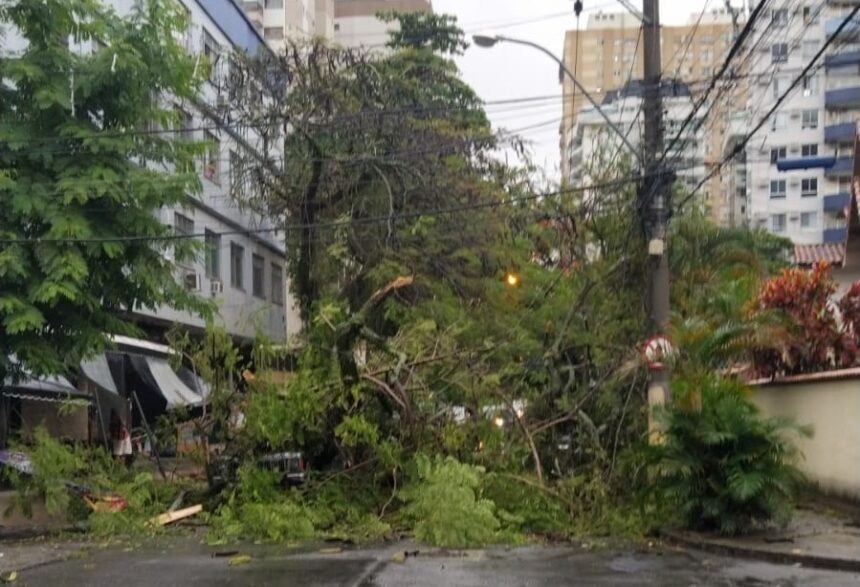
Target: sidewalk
815, 538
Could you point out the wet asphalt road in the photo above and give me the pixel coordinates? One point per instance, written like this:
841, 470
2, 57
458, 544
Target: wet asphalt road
192, 565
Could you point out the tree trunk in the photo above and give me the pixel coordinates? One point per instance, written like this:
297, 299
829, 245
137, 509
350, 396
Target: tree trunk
306, 286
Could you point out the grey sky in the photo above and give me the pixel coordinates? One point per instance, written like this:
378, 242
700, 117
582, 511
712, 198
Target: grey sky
510, 71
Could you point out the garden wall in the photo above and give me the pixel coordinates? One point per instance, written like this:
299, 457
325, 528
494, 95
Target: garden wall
830, 403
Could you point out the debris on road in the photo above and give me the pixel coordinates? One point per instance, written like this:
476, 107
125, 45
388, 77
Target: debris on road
242, 559
170, 517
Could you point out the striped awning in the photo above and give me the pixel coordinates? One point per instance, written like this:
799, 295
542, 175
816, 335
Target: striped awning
832, 253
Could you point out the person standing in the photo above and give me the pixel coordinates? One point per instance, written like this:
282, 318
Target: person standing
121, 438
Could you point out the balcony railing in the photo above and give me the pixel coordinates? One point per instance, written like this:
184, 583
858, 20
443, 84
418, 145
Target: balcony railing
835, 235
841, 168
843, 98
840, 133
852, 30
842, 59
836, 202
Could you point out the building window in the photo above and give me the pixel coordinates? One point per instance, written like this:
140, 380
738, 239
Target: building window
273, 33
809, 220
777, 189
183, 224
777, 222
258, 268
779, 53
336, 26
810, 85
212, 162
235, 173
707, 71
274, 3
809, 187
237, 266
809, 150
779, 18
780, 86
809, 49
810, 14
277, 285
779, 121
213, 254
185, 122
707, 55
212, 51
776, 154
809, 119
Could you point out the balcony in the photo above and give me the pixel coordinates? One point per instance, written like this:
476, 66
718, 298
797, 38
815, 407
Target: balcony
842, 99
851, 31
841, 168
836, 202
835, 235
840, 133
842, 59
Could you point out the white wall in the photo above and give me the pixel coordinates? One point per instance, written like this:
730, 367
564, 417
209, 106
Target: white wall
832, 408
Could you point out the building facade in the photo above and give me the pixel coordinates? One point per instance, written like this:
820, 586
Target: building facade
812, 134
281, 20
594, 146
607, 53
356, 24
242, 267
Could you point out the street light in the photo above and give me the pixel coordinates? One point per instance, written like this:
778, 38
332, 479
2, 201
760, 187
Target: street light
488, 40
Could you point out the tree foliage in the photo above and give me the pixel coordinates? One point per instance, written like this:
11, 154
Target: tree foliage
77, 167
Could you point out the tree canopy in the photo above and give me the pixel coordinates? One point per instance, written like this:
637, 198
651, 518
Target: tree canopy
84, 171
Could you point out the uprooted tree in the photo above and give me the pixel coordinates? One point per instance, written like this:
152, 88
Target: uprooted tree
407, 222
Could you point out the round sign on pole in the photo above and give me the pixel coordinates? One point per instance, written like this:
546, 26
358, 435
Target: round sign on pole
656, 351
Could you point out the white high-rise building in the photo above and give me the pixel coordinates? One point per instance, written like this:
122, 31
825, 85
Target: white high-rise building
593, 144
356, 24
280, 20
812, 132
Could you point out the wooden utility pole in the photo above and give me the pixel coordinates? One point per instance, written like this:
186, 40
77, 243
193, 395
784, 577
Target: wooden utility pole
654, 197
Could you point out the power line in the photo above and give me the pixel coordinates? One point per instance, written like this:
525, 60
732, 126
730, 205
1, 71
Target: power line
730, 56
333, 224
742, 144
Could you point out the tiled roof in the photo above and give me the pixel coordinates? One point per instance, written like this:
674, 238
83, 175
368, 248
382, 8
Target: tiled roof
832, 253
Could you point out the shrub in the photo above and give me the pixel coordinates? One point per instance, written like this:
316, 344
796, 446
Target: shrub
725, 468
445, 504
258, 509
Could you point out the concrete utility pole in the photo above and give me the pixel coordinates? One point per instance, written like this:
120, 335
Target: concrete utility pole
654, 197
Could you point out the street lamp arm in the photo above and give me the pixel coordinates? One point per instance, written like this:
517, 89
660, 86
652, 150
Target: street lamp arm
578, 85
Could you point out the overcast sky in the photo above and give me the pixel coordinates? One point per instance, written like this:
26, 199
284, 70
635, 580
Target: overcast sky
511, 71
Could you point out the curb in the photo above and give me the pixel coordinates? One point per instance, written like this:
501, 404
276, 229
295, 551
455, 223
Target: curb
723, 547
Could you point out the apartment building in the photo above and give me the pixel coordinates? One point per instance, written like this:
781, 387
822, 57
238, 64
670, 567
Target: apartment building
280, 20
355, 22
594, 146
607, 53
242, 271
798, 168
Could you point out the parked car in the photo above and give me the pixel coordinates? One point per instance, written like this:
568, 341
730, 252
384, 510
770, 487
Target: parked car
290, 467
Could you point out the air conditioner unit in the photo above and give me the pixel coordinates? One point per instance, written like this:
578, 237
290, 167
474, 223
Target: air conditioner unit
794, 114
192, 281
216, 286
794, 183
794, 216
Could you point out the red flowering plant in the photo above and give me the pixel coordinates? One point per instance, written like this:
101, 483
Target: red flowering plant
822, 333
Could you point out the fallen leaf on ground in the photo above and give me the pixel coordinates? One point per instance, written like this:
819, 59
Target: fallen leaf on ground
399, 558
331, 550
242, 559
10, 577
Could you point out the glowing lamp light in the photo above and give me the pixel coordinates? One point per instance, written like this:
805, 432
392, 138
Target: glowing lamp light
512, 279
499, 421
